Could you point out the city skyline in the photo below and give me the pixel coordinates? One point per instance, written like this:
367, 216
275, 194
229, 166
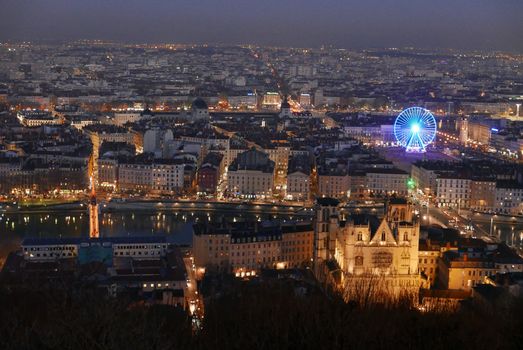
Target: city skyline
464, 24
261, 175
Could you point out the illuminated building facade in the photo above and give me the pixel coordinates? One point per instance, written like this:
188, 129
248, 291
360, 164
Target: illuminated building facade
298, 185
509, 198
387, 181
106, 133
33, 119
249, 249
280, 156
271, 99
251, 174
335, 184
453, 191
372, 253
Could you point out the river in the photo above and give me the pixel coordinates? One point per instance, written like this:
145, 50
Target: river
177, 225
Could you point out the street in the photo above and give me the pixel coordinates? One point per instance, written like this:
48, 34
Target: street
192, 296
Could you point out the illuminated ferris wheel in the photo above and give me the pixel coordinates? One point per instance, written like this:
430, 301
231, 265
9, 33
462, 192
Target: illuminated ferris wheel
415, 128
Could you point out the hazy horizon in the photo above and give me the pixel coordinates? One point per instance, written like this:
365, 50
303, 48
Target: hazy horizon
454, 24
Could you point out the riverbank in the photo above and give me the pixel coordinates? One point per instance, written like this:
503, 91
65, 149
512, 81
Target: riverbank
164, 205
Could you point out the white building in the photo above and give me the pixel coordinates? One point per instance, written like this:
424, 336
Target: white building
121, 118
425, 178
251, 175
159, 176
387, 181
81, 121
334, 184
271, 99
453, 191
37, 118
250, 183
49, 249
298, 186
52, 249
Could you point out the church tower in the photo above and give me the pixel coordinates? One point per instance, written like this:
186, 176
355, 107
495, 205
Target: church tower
285, 109
199, 110
399, 210
325, 229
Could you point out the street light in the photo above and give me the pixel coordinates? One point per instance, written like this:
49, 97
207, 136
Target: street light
491, 224
428, 213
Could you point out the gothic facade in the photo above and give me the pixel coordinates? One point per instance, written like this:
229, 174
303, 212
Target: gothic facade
375, 254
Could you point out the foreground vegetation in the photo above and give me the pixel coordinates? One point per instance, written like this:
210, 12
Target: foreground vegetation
252, 317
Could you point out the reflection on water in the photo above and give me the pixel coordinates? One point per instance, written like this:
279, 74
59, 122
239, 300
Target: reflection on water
177, 225
510, 233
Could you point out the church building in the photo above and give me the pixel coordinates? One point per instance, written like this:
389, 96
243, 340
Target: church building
377, 255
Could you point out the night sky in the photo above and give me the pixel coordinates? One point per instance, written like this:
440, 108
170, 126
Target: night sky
467, 24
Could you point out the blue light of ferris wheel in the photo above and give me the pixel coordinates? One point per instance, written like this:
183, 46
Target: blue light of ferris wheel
415, 128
